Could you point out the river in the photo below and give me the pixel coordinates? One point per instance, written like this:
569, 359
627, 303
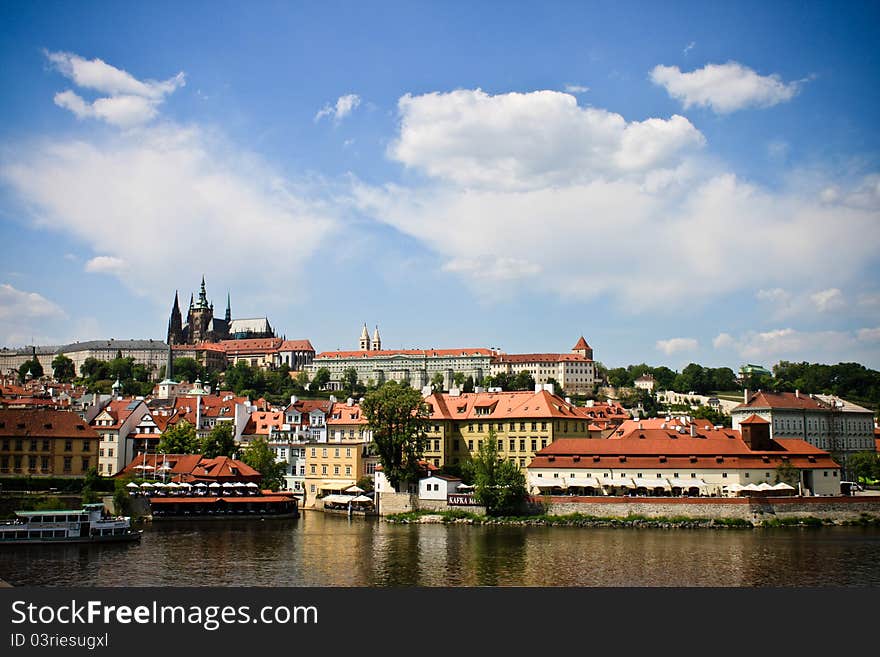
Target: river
324, 550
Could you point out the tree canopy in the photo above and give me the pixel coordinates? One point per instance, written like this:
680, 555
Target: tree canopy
261, 458
220, 442
180, 439
398, 417
498, 483
33, 366
63, 368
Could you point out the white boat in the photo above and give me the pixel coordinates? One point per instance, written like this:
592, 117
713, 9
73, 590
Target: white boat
86, 525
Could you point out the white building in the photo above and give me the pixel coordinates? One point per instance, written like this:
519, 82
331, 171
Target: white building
114, 425
437, 486
575, 371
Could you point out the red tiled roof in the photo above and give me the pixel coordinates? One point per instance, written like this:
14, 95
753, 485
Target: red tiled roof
581, 344
754, 419
500, 405
406, 352
541, 358
296, 345
194, 467
48, 423
762, 399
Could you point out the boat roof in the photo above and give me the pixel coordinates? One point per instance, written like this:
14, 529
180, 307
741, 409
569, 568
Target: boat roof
55, 512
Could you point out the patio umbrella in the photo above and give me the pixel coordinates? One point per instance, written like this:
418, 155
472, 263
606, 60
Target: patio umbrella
131, 484
185, 485
227, 484
751, 487
159, 484
361, 498
465, 487
251, 484
240, 484
783, 486
172, 484
144, 467
764, 486
200, 485
147, 484
214, 484
354, 489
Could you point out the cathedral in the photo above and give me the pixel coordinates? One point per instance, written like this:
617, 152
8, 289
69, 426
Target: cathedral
202, 326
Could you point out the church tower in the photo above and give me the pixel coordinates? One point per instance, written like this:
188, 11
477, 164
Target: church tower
365, 339
583, 349
175, 324
377, 341
200, 316
228, 316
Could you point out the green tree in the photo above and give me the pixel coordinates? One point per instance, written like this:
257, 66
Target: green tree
90, 483
349, 379
63, 368
619, 377
437, 381
366, 483
94, 369
787, 473
188, 369
121, 368
468, 384
220, 442
865, 466
261, 458
398, 418
321, 379
523, 381
180, 439
302, 379
498, 483
33, 366
121, 499
713, 416
458, 379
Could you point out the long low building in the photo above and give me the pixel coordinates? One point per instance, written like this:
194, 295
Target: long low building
150, 353
46, 443
696, 461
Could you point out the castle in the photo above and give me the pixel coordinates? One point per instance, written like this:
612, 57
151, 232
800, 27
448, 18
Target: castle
202, 326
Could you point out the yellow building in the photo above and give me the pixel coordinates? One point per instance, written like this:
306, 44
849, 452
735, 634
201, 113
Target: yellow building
523, 423
47, 443
334, 466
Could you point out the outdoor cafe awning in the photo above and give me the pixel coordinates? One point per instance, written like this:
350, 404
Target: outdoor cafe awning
583, 482
688, 483
652, 483
336, 484
618, 482
338, 499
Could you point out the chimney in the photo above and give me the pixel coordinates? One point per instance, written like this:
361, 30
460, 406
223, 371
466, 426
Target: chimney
293, 399
693, 430
745, 395
797, 393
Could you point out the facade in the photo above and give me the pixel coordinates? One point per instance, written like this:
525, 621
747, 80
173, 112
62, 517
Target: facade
331, 468
191, 468
826, 422
523, 422
437, 486
414, 366
645, 382
681, 462
575, 371
150, 353
114, 424
347, 422
46, 443
202, 326
266, 353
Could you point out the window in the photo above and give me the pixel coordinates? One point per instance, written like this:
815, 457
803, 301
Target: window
336, 453
44, 463
85, 463
68, 446
437, 445
522, 444
312, 488
323, 469
324, 452
747, 475
543, 426
33, 444
724, 475
5, 444
313, 452
522, 426
101, 452
110, 452
45, 444
825, 473
335, 469
32, 463
543, 443
471, 445
470, 427
534, 444
500, 445
68, 463
534, 426
312, 469
19, 445
347, 470
522, 461
512, 445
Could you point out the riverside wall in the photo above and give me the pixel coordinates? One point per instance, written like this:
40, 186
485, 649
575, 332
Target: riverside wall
835, 509
391, 503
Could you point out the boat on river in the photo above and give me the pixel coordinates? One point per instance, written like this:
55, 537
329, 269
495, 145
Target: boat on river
90, 524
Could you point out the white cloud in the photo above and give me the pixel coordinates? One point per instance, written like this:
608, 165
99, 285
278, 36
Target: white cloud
689, 47
723, 341
496, 269
576, 89
828, 300
168, 202
724, 87
532, 140
675, 345
868, 334
130, 101
344, 106
105, 265
25, 316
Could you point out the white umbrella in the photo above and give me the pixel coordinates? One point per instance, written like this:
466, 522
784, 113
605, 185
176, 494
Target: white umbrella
185, 485
734, 488
131, 484
159, 484
251, 484
751, 487
465, 487
214, 484
200, 485
354, 489
239, 484
147, 484
227, 484
783, 486
764, 486
172, 484
361, 498
144, 467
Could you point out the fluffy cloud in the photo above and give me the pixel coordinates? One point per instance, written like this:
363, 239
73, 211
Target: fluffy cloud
160, 204
828, 300
24, 316
105, 265
129, 101
782, 304
530, 188
862, 345
576, 89
724, 87
675, 345
532, 140
344, 106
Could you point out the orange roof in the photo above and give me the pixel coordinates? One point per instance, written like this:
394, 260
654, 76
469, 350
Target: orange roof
541, 358
193, 467
48, 423
500, 405
762, 399
754, 419
581, 344
406, 352
296, 345
261, 421
345, 414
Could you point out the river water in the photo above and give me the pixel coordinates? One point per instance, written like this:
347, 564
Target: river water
324, 550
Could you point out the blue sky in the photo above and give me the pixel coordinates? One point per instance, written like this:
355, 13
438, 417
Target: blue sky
677, 182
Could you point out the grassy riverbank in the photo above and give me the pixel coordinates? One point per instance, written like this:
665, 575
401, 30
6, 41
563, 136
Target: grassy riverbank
583, 520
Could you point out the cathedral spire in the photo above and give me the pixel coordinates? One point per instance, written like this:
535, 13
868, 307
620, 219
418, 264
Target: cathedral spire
228, 309
203, 295
377, 341
365, 339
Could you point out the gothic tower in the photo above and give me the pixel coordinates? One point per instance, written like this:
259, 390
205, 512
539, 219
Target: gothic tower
200, 317
175, 324
377, 341
365, 339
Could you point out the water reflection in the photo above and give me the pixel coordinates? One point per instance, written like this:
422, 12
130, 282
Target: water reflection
319, 550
